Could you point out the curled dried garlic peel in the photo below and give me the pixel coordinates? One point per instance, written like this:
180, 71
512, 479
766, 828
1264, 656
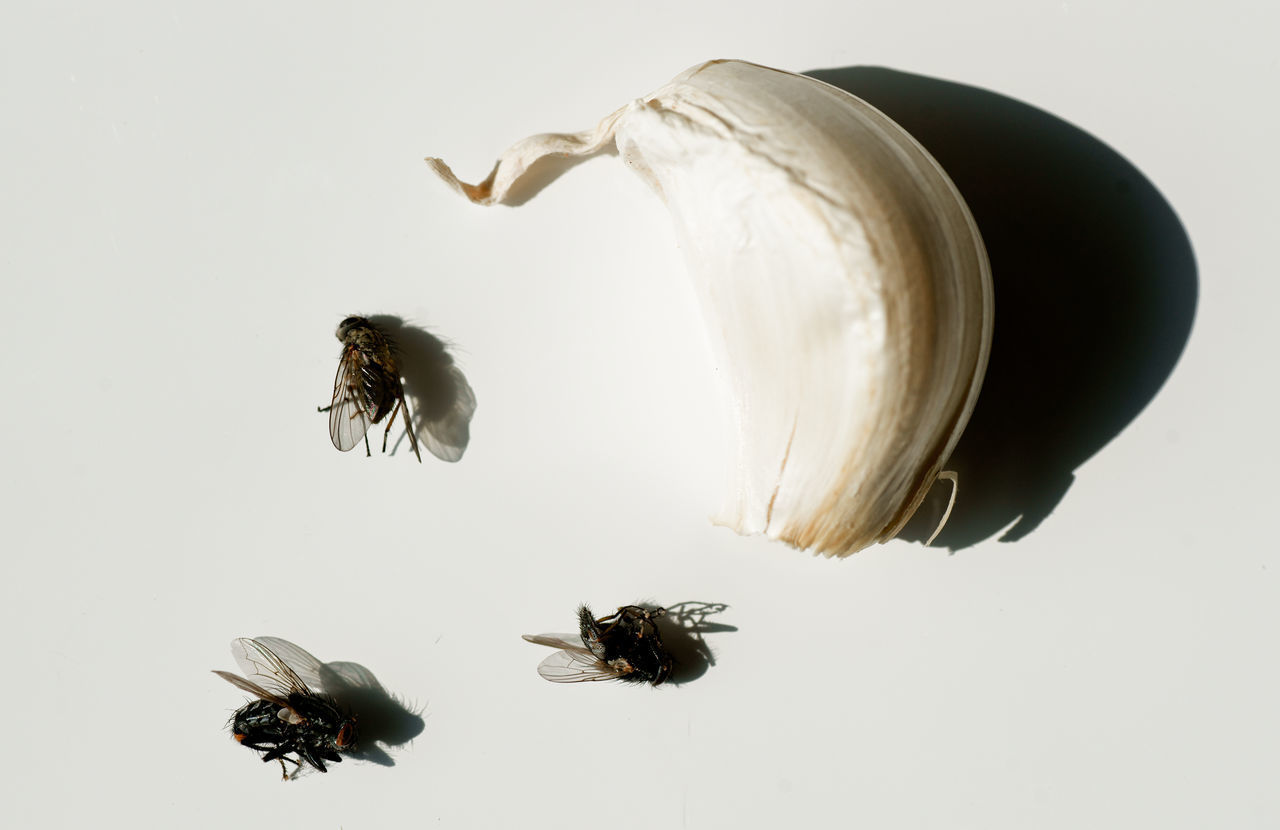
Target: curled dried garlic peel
842, 277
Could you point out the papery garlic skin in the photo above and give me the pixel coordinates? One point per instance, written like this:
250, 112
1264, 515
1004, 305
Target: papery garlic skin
841, 276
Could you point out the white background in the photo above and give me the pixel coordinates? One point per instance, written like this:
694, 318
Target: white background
193, 197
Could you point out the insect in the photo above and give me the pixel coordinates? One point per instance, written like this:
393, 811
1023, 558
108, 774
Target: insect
625, 645
367, 387
287, 717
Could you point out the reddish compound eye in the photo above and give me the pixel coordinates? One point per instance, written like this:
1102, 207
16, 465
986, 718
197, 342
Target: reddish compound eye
346, 735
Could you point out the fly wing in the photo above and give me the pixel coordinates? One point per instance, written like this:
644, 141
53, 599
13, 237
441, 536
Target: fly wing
348, 415
576, 666
330, 678
250, 687
348, 677
286, 713
573, 663
306, 667
263, 668
567, 641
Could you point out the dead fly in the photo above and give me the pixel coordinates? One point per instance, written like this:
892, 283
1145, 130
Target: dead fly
622, 646
367, 388
287, 717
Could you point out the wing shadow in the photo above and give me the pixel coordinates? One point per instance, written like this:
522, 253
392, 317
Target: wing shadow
441, 399
683, 629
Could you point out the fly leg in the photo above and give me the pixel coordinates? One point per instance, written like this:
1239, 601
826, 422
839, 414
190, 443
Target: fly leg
314, 757
645, 615
408, 427
280, 753
391, 421
616, 616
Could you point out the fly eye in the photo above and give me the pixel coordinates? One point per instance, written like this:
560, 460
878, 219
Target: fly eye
345, 735
347, 325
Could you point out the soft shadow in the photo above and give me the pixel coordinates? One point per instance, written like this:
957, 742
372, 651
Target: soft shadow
439, 396
683, 628
383, 720
1095, 294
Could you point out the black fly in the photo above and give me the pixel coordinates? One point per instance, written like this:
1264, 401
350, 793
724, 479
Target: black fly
367, 387
622, 646
287, 717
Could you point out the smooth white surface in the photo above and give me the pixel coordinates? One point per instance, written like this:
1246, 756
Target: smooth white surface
195, 197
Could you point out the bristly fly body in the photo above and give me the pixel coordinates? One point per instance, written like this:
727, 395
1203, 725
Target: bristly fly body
625, 645
367, 388
288, 721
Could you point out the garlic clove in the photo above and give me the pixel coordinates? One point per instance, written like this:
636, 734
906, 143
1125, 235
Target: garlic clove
842, 278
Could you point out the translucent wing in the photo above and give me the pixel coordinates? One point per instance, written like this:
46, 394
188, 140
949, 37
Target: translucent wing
305, 666
569, 641
252, 688
348, 416
573, 663
576, 666
263, 668
348, 677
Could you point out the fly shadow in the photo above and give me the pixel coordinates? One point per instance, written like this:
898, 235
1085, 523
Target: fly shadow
382, 720
1095, 292
441, 400
683, 629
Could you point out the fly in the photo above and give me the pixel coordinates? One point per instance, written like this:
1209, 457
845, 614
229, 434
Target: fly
367, 388
287, 718
625, 645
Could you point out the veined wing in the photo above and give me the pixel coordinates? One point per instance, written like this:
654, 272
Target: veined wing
348, 414
263, 668
573, 663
